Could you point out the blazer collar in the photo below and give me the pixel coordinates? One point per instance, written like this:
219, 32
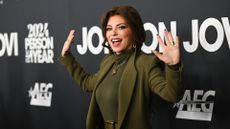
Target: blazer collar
126, 88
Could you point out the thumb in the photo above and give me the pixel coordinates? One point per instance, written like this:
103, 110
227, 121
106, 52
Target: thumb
157, 54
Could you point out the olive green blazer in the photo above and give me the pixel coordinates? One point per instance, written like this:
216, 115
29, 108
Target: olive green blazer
142, 76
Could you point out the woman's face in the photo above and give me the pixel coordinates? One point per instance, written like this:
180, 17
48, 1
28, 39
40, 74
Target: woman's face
119, 34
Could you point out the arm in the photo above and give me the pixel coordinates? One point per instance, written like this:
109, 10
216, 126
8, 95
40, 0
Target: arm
84, 79
167, 86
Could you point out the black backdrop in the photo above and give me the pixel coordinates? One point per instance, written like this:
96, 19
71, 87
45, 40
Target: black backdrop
36, 92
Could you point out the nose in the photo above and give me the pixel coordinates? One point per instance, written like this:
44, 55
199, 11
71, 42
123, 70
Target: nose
114, 32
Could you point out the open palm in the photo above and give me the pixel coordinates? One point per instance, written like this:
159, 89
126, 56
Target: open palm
171, 50
68, 42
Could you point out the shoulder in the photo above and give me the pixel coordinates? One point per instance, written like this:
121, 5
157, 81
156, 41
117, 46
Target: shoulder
107, 59
146, 59
146, 62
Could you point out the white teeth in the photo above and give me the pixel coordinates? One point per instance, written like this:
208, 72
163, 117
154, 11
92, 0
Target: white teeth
115, 40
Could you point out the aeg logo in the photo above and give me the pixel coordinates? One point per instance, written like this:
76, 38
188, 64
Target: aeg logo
196, 107
40, 95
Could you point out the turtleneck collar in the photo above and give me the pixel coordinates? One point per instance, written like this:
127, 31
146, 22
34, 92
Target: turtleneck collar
123, 56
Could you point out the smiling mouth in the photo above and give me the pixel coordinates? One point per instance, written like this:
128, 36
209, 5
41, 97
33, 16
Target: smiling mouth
116, 40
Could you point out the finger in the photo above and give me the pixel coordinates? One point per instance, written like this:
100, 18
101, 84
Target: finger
158, 54
170, 37
68, 43
160, 41
177, 43
71, 36
71, 32
69, 40
72, 41
167, 41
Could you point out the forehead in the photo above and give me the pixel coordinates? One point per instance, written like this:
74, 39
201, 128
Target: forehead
116, 19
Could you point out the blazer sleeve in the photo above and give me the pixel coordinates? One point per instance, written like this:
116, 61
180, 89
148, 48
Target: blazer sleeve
167, 84
85, 80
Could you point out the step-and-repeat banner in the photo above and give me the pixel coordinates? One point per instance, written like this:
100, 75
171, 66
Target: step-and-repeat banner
36, 92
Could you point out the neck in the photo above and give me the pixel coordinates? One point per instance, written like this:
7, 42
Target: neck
124, 52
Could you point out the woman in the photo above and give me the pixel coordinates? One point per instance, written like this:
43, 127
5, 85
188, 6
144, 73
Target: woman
123, 86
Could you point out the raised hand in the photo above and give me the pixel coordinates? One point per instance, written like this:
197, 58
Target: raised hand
171, 50
68, 42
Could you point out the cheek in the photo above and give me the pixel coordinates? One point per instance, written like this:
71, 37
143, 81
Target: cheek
107, 38
127, 34
128, 38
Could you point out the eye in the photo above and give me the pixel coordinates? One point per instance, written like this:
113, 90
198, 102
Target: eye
122, 27
108, 29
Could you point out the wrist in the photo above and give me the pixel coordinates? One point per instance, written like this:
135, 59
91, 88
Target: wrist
65, 53
175, 66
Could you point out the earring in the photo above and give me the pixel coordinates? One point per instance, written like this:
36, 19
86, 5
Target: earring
134, 45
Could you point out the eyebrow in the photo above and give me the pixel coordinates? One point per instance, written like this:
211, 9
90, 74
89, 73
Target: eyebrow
117, 24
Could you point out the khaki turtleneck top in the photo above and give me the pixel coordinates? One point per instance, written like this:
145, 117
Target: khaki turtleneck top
107, 91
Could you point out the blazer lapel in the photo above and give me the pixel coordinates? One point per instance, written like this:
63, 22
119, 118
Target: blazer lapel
126, 88
92, 116
108, 64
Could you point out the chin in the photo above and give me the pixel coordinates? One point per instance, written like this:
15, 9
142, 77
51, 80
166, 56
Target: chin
117, 51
